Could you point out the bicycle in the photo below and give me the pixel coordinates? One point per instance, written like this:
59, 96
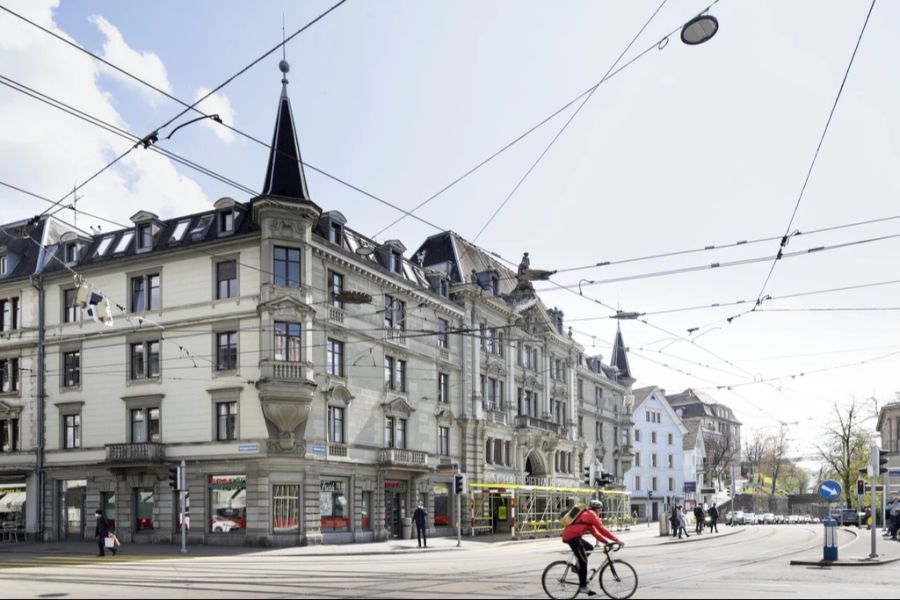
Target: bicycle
618, 579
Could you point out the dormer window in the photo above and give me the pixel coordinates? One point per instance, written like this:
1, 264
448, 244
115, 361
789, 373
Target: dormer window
3, 264
444, 288
335, 233
495, 285
396, 262
199, 230
71, 253
145, 236
226, 222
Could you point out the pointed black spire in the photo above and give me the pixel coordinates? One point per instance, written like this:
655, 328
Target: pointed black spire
284, 175
619, 356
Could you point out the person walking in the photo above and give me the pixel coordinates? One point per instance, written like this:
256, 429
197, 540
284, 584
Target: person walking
682, 523
419, 520
673, 519
698, 517
101, 532
713, 518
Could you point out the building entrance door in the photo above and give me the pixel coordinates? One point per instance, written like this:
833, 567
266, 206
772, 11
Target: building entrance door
73, 509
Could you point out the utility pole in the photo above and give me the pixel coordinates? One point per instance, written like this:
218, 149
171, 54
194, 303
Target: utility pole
873, 477
181, 494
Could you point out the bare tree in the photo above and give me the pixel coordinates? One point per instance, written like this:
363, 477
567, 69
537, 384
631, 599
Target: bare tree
778, 449
755, 450
845, 447
721, 453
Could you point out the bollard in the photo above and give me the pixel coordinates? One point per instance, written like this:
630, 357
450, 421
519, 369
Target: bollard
830, 549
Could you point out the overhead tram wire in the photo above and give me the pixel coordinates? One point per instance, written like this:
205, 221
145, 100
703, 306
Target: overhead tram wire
567, 123
194, 104
787, 233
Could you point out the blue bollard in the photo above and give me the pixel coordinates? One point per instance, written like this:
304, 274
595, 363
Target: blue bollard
830, 549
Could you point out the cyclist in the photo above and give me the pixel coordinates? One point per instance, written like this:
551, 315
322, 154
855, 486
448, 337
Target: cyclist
587, 522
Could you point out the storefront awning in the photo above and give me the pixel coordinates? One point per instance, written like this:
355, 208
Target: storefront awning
12, 502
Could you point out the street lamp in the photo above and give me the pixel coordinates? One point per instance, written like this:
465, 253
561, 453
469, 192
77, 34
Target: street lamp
699, 30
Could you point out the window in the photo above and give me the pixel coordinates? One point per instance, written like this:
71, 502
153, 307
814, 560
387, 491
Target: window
671, 484
489, 451
72, 368
598, 396
71, 312
145, 505
124, 241
202, 225
388, 372
366, 509
443, 337
9, 435
580, 428
637, 435
226, 279
443, 288
144, 425
286, 508
334, 506
670, 439
287, 266
507, 454
226, 351
598, 432
654, 484
180, 228
287, 341
9, 375
72, 431
145, 237
3, 264
335, 233
226, 421
441, 504
226, 221
336, 424
580, 389
652, 437
637, 459
487, 337
495, 285
394, 313
671, 462
444, 441
637, 482
443, 387
491, 393
228, 504
396, 264
9, 314
394, 433
71, 252
336, 282
335, 358
395, 374
103, 246
145, 360
145, 293
653, 461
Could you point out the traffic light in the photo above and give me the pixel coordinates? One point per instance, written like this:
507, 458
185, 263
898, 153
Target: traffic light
606, 479
650, 495
459, 483
882, 460
588, 479
175, 478
860, 487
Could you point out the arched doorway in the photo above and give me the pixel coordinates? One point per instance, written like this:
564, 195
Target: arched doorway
534, 467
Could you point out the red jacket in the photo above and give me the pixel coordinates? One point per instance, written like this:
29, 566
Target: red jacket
588, 521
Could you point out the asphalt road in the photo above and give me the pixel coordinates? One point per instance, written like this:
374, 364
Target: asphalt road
750, 564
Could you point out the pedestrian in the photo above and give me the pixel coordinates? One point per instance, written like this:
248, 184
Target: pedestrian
634, 518
698, 517
894, 511
682, 523
713, 518
419, 520
101, 532
869, 517
673, 519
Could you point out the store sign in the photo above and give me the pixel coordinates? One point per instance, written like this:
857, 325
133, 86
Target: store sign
690, 486
228, 482
400, 487
332, 486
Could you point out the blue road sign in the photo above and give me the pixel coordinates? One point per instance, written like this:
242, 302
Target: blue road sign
830, 490
894, 473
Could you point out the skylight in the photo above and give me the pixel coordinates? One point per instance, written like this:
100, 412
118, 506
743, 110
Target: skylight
123, 243
104, 246
180, 228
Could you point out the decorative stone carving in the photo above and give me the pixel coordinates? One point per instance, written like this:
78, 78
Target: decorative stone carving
286, 415
285, 228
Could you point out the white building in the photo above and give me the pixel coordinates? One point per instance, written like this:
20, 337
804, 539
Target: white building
694, 467
658, 467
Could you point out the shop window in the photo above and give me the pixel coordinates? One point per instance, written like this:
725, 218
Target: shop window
441, 504
286, 508
144, 505
228, 503
366, 511
333, 506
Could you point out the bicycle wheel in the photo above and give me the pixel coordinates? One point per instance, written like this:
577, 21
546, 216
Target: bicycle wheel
618, 579
560, 580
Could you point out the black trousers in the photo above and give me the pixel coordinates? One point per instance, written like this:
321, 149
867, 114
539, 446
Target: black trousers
101, 547
699, 528
581, 549
422, 535
713, 526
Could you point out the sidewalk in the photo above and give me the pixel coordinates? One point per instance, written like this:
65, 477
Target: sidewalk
856, 553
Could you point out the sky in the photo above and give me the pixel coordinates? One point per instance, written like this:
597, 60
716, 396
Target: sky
685, 148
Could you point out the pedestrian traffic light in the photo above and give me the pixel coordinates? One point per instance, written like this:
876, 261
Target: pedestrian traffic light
175, 479
882, 460
459, 483
860, 487
650, 495
588, 479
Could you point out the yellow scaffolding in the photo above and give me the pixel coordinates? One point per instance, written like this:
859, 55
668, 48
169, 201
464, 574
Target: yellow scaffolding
535, 509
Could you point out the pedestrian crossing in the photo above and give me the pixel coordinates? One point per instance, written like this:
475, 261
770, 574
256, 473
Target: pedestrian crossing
35, 561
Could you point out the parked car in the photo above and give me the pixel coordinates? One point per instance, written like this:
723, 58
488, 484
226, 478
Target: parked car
768, 519
751, 519
848, 516
816, 520
736, 518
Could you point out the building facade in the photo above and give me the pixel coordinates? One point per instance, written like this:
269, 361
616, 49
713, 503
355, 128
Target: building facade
312, 379
658, 471
888, 428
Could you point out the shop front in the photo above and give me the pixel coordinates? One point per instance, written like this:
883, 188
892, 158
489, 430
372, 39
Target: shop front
12, 506
334, 509
396, 506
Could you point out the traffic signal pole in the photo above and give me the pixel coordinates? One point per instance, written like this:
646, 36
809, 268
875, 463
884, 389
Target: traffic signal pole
181, 494
873, 475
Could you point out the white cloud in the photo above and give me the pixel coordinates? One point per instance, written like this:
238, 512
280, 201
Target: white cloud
145, 65
47, 151
219, 104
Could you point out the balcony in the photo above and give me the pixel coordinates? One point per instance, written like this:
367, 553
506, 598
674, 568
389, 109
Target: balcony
497, 417
525, 422
444, 354
141, 453
396, 457
335, 314
337, 451
395, 336
283, 370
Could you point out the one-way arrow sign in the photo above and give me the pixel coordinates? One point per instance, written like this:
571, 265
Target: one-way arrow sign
830, 490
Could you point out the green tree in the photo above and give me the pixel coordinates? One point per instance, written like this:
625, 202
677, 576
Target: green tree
845, 447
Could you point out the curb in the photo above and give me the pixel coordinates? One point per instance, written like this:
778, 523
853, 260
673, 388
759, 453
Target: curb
855, 562
697, 538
